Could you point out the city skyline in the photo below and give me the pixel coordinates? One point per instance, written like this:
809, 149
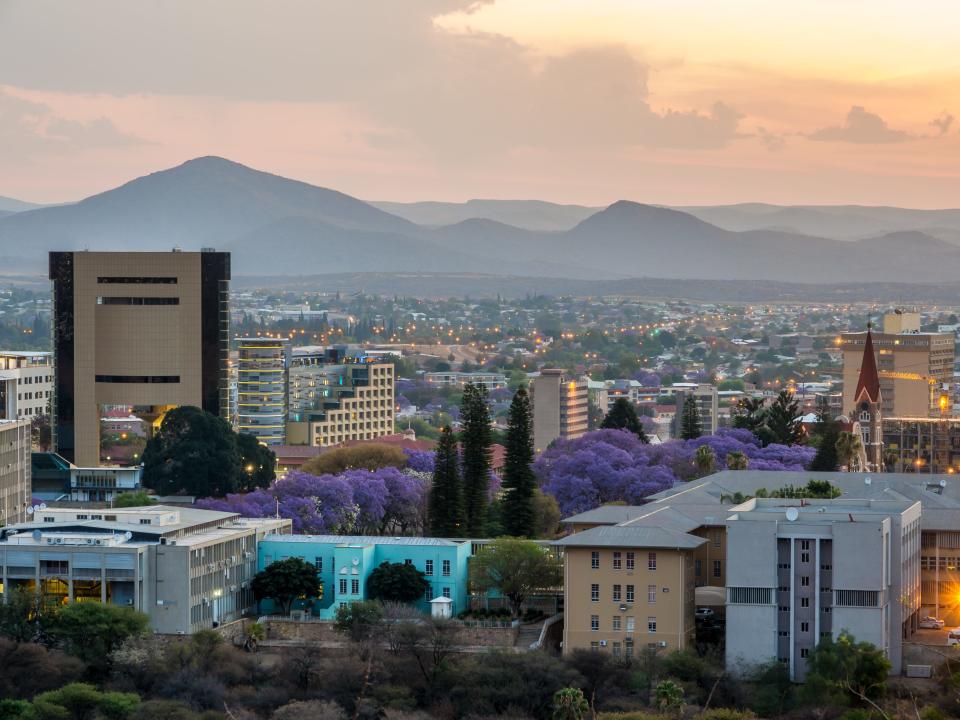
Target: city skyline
453, 99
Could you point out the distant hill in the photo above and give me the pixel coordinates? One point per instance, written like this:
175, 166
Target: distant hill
525, 214
11, 205
275, 226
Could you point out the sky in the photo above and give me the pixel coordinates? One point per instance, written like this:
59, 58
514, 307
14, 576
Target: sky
580, 101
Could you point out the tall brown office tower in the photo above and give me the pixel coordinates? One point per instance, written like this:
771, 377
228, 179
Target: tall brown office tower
149, 331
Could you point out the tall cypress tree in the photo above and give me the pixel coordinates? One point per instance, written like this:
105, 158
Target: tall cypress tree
519, 483
690, 426
475, 438
623, 416
445, 507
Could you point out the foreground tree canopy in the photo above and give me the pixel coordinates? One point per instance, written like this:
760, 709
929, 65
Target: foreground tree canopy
515, 568
284, 581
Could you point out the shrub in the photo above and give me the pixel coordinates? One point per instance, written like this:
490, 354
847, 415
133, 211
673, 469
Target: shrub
726, 714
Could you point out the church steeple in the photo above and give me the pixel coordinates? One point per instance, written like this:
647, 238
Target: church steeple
869, 380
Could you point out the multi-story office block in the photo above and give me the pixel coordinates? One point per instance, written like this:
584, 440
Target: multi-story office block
629, 587
560, 407
811, 569
491, 381
262, 388
26, 384
188, 569
147, 330
706, 397
335, 398
14, 470
912, 366
344, 564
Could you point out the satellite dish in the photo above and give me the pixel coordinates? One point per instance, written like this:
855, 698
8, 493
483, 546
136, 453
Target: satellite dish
943, 483
42, 506
792, 514
867, 480
30, 510
128, 535
37, 535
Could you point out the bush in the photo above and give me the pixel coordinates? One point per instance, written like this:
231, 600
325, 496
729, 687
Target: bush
856, 714
634, 715
726, 714
366, 456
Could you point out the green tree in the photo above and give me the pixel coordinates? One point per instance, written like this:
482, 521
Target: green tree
623, 416
139, 498
92, 631
364, 456
519, 482
516, 568
397, 582
690, 426
445, 504
258, 463
706, 460
848, 448
361, 622
569, 704
736, 460
845, 669
826, 432
783, 419
283, 581
24, 616
546, 512
669, 696
475, 440
193, 452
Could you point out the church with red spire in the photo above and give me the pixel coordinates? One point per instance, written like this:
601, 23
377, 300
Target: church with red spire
866, 411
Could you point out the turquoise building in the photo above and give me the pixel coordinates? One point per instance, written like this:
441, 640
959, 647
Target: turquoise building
344, 562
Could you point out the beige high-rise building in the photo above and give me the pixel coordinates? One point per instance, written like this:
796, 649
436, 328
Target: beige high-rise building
560, 407
15, 483
336, 398
912, 366
146, 330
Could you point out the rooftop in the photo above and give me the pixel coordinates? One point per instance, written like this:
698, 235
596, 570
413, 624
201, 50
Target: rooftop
363, 540
643, 536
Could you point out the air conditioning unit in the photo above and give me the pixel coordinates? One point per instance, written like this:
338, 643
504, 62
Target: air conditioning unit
247, 555
206, 601
233, 559
233, 588
623, 608
662, 643
603, 643
211, 567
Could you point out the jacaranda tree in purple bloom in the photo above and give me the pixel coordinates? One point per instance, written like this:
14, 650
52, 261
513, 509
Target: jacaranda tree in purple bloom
614, 466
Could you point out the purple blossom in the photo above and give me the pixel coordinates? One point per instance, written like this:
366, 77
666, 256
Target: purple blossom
420, 460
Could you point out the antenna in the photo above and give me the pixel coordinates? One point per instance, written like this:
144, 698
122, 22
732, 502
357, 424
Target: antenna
792, 514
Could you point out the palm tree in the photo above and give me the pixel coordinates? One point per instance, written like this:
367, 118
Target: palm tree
706, 460
849, 449
736, 460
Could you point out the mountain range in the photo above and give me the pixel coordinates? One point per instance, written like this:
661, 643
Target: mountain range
275, 226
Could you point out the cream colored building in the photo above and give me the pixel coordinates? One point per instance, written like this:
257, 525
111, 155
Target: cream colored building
628, 588
335, 402
148, 330
14, 470
912, 366
26, 384
560, 407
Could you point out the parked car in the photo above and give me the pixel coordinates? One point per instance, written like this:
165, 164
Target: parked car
953, 637
703, 613
931, 623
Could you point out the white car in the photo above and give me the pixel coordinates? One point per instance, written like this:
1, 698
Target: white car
704, 613
953, 637
931, 623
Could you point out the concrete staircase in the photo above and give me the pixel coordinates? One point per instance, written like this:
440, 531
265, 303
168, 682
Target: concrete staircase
527, 636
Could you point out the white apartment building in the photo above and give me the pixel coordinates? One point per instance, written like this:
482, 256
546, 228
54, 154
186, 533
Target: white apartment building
491, 381
261, 408
26, 384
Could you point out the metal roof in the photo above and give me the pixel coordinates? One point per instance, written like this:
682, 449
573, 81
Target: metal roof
641, 536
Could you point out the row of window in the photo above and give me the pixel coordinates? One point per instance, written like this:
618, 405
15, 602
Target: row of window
617, 594
617, 625
428, 566
717, 568
618, 560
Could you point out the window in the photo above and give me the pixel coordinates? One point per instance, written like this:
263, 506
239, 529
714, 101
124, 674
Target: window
716, 568
804, 627
595, 623
616, 648
594, 593
804, 544
631, 623
616, 560
784, 633
594, 646
616, 593
716, 538
594, 560
354, 587
651, 561
629, 593
427, 594
428, 567
805, 557
343, 586
651, 624
631, 560
82, 517
804, 652
804, 581
49, 519
446, 592
408, 561
651, 593
445, 568
318, 563
616, 623
628, 647
697, 567
826, 568
804, 602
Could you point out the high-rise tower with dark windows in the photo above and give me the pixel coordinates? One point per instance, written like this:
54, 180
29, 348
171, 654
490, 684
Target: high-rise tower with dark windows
147, 331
